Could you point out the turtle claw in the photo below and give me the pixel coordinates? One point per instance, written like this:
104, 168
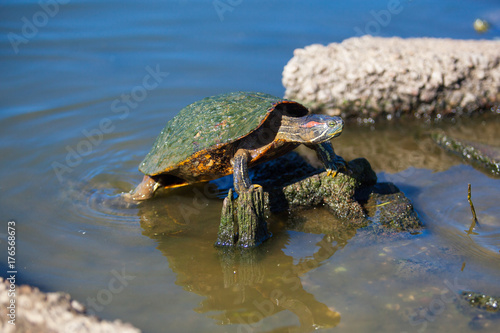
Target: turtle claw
250, 188
330, 172
338, 164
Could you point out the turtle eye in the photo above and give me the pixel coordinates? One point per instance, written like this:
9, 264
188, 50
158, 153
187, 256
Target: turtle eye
332, 124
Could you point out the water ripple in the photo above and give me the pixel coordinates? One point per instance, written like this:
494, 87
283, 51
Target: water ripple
97, 197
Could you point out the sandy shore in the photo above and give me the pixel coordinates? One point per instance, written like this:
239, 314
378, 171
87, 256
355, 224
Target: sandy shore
36, 311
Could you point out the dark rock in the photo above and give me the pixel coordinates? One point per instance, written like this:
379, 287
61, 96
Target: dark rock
304, 186
390, 207
481, 301
335, 193
481, 308
349, 196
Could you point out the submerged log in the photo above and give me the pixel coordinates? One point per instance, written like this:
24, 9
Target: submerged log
484, 156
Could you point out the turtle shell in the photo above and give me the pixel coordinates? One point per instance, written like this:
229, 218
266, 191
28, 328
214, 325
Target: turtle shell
209, 125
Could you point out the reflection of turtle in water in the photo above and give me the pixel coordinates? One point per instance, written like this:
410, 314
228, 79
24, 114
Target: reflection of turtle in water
229, 133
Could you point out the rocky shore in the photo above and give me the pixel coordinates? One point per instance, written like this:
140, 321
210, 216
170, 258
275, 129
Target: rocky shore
40, 312
373, 77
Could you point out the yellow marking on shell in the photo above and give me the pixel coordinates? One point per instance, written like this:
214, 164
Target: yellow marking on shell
176, 185
203, 164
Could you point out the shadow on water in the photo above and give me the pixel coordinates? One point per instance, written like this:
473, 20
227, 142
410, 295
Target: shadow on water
242, 286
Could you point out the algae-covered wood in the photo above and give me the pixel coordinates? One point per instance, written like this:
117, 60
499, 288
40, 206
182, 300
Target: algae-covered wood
207, 124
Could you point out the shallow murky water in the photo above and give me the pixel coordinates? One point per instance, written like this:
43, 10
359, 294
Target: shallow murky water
72, 140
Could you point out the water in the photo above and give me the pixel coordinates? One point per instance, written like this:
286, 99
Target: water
85, 93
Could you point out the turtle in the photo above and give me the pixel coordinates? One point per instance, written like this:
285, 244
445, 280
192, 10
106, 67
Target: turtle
230, 133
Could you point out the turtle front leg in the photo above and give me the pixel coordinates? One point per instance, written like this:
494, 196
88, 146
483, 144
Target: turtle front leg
242, 181
143, 191
332, 162
243, 220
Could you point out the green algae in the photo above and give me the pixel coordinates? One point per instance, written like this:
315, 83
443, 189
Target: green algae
484, 156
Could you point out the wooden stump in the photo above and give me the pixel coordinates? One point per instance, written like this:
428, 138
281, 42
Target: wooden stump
228, 235
243, 222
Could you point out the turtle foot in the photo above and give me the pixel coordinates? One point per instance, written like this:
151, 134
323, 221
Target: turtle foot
336, 165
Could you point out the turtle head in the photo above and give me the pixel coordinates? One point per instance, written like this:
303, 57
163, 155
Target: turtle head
315, 128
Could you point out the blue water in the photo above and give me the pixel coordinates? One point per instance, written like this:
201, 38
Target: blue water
103, 77
100, 49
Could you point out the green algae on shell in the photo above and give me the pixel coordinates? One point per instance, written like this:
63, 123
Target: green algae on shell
210, 123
